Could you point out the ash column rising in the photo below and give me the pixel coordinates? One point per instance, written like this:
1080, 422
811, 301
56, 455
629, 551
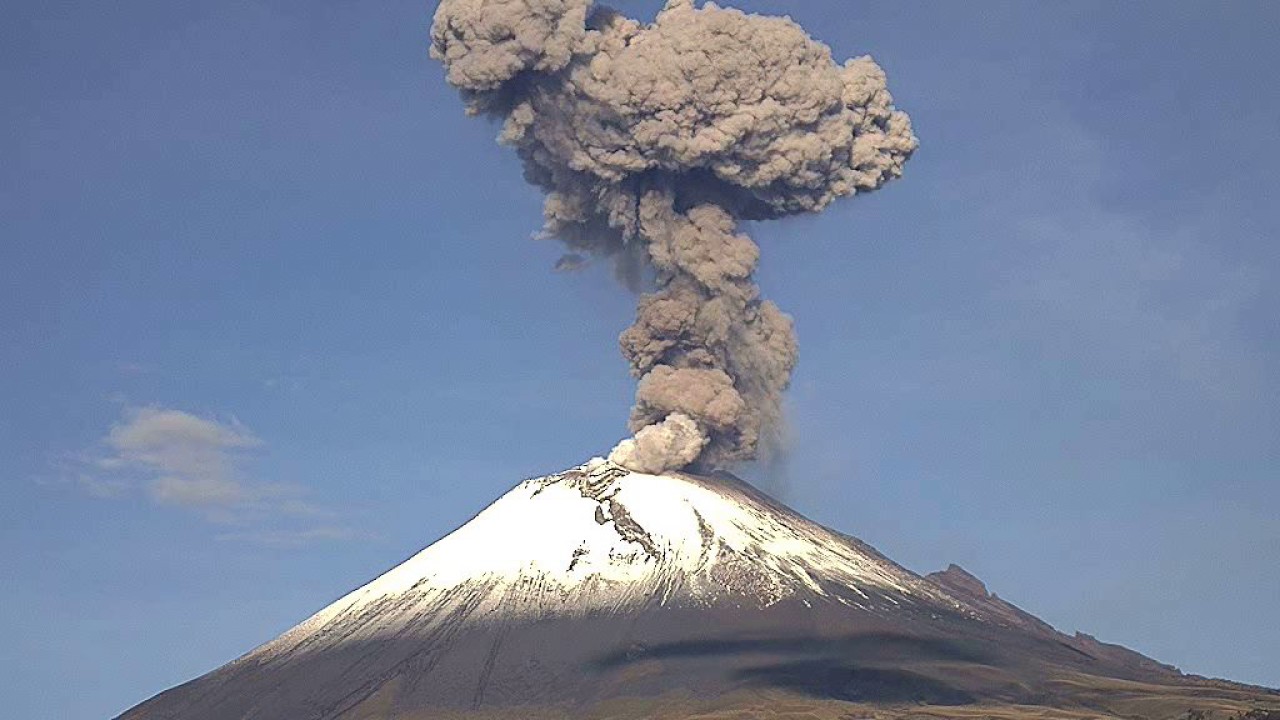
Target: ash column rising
652, 142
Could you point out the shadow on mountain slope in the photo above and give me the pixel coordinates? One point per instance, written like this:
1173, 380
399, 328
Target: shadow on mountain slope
862, 648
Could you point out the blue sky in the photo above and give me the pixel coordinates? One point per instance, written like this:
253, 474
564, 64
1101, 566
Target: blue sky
271, 320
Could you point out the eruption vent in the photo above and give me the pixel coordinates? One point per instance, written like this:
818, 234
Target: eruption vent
652, 143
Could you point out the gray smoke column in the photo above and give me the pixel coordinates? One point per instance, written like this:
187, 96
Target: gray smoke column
653, 142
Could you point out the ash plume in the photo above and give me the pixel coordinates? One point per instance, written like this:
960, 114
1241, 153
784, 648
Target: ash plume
653, 142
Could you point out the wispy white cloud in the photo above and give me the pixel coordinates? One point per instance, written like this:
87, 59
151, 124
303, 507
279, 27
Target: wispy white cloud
180, 459
184, 459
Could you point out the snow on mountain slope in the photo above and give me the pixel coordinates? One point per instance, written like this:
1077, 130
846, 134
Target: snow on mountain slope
600, 539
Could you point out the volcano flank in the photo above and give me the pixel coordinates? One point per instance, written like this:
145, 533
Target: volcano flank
604, 593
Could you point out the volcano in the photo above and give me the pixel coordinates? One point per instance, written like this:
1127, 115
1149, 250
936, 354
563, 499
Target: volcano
604, 593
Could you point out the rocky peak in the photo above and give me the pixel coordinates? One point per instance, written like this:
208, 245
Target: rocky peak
957, 579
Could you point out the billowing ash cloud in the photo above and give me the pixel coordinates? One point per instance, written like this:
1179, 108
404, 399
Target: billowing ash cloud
652, 143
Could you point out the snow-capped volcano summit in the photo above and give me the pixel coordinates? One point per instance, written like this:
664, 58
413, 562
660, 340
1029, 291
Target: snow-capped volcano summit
600, 539
597, 585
